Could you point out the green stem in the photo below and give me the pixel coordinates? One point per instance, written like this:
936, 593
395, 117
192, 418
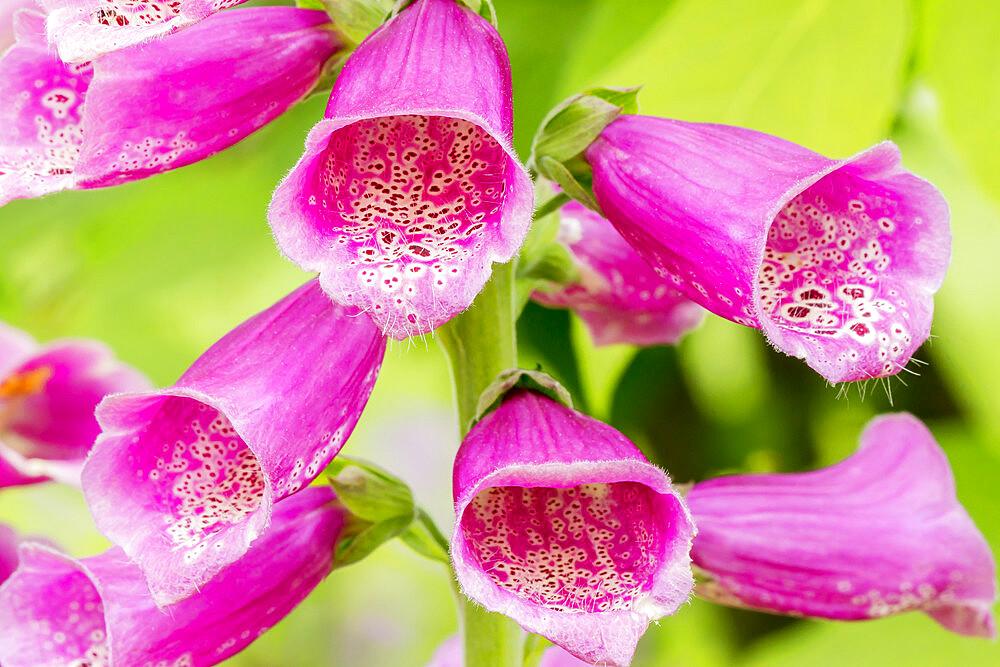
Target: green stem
480, 343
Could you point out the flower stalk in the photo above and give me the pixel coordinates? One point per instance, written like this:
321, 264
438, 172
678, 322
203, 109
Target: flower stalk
479, 344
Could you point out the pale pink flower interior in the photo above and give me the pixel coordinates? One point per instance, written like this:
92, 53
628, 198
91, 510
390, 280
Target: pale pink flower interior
589, 548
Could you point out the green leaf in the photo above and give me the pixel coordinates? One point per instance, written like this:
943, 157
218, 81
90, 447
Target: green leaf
959, 56
825, 74
356, 19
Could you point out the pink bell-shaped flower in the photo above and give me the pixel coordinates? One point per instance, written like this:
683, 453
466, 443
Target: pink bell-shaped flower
879, 533
620, 297
47, 398
836, 260
562, 525
185, 478
409, 189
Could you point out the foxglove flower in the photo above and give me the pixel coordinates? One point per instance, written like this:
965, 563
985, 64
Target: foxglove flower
877, 534
836, 260
564, 526
185, 478
81, 126
450, 654
620, 297
409, 189
97, 611
82, 30
47, 398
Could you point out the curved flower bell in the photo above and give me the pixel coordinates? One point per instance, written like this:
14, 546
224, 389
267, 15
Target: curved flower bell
82, 30
563, 526
836, 260
449, 654
89, 125
409, 189
97, 611
185, 478
877, 534
47, 398
620, 297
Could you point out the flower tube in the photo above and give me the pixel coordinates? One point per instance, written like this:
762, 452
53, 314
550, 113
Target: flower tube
97, 611
90, 125
47, 398
564, 526
836, 260
879, 533
620, 297
185, 478
82, 30
408, 190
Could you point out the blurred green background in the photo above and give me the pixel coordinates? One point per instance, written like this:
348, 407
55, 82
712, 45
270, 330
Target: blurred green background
161, 268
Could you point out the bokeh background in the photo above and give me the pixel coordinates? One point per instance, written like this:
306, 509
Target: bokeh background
161, 268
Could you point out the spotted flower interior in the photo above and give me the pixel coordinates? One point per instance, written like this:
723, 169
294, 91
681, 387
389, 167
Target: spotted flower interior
588, 548
202, 478
841, 267
41, 128
409, 199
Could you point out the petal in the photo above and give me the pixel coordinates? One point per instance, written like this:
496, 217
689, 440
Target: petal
836, 260
7, 11
40, 131
879, 533
184, 479
8, 552
620, 297
563, 526
85, 29
409, 189
228, 76
47, 402
58, 610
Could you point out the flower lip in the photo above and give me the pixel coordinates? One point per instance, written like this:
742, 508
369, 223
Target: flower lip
837, 260
193, 468
855, 297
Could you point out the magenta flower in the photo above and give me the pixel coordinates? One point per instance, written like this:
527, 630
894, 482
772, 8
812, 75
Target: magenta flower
877, 534
93, 125
409, 189
47, 398
8, 552
185, 478
450, 654
564, 526
97, 611
620, 297
836, 260
84, 29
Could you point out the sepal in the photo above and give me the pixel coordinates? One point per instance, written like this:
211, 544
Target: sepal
518, 378
569, 129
